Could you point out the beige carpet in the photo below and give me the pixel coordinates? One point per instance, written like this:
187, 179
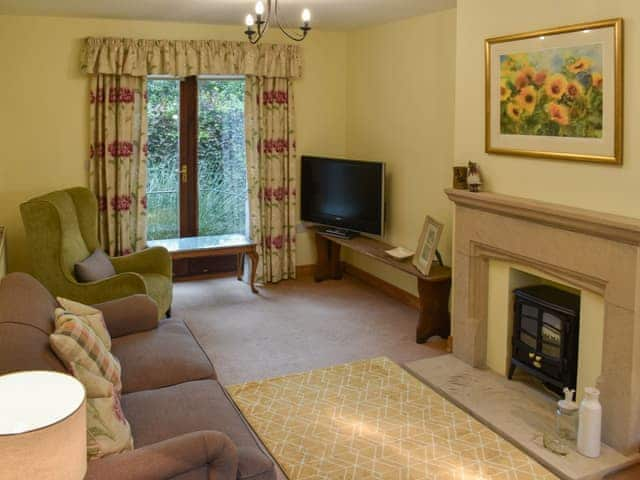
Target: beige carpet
295, 326
371, 420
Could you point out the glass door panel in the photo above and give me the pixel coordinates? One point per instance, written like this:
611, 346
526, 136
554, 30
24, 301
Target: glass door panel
551, 335
222, 172
163, 184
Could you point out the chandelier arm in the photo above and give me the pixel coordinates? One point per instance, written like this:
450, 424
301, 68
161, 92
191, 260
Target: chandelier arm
292, 37
264, 24
282, 29
267, 19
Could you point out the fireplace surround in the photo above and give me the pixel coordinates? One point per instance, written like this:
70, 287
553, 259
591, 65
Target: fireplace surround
594, 251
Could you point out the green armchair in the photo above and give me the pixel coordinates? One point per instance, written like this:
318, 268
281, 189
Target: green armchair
62, 230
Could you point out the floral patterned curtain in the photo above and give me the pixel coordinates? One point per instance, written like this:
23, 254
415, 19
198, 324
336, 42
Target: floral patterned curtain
118, 160
270, 146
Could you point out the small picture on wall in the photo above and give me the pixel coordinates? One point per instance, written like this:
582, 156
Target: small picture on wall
556, 93
427, 245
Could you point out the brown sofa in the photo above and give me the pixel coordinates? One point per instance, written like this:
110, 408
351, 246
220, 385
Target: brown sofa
184, 426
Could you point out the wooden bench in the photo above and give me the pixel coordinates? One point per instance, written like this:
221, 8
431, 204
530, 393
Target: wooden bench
194, 248
433, 289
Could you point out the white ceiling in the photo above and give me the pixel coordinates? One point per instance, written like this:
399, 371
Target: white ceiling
327, 14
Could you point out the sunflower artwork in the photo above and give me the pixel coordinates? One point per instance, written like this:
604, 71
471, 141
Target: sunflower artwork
555, 92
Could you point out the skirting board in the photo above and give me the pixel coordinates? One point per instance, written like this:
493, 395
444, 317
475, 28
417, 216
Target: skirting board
307, 270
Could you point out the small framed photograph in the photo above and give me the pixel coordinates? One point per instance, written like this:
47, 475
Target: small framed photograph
427, 245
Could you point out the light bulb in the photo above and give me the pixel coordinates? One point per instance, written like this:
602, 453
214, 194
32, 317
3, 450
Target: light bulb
248, 21
259, 8
306, 15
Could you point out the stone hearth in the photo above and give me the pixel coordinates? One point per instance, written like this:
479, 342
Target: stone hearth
594, 251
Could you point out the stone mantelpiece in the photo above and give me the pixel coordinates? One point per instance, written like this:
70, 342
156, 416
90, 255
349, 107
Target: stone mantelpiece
593, 251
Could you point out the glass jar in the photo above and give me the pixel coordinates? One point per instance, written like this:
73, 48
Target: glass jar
563, 436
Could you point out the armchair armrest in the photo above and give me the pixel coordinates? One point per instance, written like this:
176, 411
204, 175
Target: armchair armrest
133, 314
170, 458
118, 286
149, 260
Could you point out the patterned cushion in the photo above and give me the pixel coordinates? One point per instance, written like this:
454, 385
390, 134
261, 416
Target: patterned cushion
75, 343
90, 316
87, 358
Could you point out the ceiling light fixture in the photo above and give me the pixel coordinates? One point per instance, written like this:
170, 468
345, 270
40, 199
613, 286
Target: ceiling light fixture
262, 21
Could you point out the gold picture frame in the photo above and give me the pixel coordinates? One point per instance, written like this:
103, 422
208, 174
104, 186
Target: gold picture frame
427, 245
589, 131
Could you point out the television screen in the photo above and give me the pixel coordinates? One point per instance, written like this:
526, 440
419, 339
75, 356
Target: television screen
345, 194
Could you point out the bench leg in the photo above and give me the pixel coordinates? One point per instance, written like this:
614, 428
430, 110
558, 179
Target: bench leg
253, 255
328, 260
434, 310
240, 265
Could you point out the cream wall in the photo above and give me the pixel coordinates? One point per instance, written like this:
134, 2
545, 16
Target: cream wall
400, 84
598, 187
44, 112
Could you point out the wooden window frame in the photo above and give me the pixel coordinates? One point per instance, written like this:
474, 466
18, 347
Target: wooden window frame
189, 157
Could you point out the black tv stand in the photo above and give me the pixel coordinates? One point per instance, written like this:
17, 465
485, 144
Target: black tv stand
340, 233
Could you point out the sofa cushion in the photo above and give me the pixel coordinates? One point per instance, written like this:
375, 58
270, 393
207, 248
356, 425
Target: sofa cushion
26, 320
92, 317
96, 266
164, 356
76, 344
85, 355
157, 415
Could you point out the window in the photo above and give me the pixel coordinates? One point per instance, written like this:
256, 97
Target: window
197, 181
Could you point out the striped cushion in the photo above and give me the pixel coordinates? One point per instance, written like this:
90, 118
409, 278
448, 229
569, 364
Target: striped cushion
89, 315
87, 358
76, 343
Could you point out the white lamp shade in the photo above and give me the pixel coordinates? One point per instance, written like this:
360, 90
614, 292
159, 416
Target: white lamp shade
43, 426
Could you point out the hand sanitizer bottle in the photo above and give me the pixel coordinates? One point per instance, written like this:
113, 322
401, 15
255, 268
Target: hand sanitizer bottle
590, 424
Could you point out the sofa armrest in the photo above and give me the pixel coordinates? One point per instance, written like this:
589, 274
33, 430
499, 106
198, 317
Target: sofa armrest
149, 260
170, 458
133, 314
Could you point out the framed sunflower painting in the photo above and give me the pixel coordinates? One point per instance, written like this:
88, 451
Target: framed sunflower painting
556, 93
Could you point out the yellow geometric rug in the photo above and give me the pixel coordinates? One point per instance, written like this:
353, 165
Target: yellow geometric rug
373, 420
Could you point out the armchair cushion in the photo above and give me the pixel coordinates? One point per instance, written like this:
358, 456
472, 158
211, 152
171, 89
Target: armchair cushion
205, 455
96, 266
164, 356
158, 415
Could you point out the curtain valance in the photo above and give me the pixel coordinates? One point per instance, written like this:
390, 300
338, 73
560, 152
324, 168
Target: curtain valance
180, 58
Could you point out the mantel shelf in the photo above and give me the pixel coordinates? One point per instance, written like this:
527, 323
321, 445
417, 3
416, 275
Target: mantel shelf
613, 227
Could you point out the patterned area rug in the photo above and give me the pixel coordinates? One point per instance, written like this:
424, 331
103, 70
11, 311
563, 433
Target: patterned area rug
373, 420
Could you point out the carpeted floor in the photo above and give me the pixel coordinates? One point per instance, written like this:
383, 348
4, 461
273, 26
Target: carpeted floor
295, 326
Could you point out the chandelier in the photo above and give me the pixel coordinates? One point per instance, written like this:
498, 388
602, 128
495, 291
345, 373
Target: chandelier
261, 22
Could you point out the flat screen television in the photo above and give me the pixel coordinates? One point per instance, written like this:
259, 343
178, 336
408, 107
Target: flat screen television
345, 194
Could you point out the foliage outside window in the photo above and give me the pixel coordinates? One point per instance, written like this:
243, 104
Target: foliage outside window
221, 161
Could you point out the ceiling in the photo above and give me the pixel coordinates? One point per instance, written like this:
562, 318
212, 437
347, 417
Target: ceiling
326, 14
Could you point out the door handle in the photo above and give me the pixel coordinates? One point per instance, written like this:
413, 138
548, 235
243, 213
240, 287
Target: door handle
183, 173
